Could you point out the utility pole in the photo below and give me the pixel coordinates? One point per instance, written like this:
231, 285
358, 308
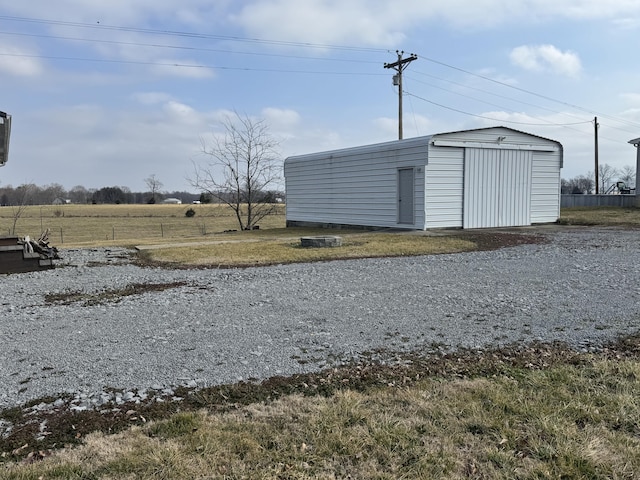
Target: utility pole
399, 66
595, 126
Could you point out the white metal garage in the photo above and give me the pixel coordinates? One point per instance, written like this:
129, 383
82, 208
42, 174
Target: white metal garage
489, 177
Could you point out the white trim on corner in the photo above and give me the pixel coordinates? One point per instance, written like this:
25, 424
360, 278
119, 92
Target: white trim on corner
497, 146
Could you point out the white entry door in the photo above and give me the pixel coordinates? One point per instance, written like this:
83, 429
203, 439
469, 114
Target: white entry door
405, 196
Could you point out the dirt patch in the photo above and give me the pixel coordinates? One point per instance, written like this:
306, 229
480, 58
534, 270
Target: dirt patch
108, 296
492, 240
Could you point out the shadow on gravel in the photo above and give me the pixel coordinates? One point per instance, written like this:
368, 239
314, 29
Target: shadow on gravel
28, 434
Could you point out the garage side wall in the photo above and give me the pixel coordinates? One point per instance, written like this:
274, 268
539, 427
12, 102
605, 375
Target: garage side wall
357, 186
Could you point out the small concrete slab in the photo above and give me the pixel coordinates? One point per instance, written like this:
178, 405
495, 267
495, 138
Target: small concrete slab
321, 241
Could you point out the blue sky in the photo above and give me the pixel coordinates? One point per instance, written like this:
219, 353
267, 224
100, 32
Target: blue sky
107, 93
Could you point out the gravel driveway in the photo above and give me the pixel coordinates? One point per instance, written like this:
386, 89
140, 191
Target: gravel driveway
205, 327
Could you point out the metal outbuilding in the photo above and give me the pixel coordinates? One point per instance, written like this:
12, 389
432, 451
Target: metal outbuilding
488, 177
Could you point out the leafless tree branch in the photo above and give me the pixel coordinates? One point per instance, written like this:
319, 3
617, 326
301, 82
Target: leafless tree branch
242, 163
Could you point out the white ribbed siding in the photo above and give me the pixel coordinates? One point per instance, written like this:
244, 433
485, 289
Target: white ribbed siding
545, 187
355, 186
359, 186
444, 192
497, 188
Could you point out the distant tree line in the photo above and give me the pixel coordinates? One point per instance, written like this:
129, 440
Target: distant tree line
608, 176
56, 193
31, 194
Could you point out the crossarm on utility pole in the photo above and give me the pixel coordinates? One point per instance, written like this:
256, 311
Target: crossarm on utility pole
399, 66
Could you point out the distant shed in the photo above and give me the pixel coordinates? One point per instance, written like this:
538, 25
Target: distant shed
488, 177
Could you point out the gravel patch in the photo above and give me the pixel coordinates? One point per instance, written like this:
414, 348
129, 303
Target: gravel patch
204, 327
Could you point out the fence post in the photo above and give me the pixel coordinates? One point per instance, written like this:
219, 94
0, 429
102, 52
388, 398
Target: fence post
61, 236
113, 233
162, 230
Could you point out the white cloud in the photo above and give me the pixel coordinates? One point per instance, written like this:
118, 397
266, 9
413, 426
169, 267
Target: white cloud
151, 98
544, 58
384, 23
627, 23
413, 125
324, 21
99, 146
182, 68
279, 118
387, 125
371, 22
117, 12
16, 61
631, 98
179, 109
631, 114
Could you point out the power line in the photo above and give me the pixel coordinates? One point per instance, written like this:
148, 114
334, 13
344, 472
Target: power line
188, 48
502, 96
185, 65
197, 35
548, 124
469, 87
101, 26
529, 92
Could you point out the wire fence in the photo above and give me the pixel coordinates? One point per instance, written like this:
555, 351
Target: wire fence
69, 229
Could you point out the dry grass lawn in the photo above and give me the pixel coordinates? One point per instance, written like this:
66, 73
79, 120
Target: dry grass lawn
563, 422
606, 216
254, 251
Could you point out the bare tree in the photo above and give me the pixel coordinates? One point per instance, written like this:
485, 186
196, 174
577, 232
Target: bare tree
22, 199
606, 174
47, 194
154, 185
628, 175
79, 194
242, 163
578, 185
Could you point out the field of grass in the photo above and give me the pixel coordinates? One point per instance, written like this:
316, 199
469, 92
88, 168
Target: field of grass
607, 216
255, 251
108, 225
529, 412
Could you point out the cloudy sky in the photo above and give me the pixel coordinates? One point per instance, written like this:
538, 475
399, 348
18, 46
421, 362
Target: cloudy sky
107, 93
